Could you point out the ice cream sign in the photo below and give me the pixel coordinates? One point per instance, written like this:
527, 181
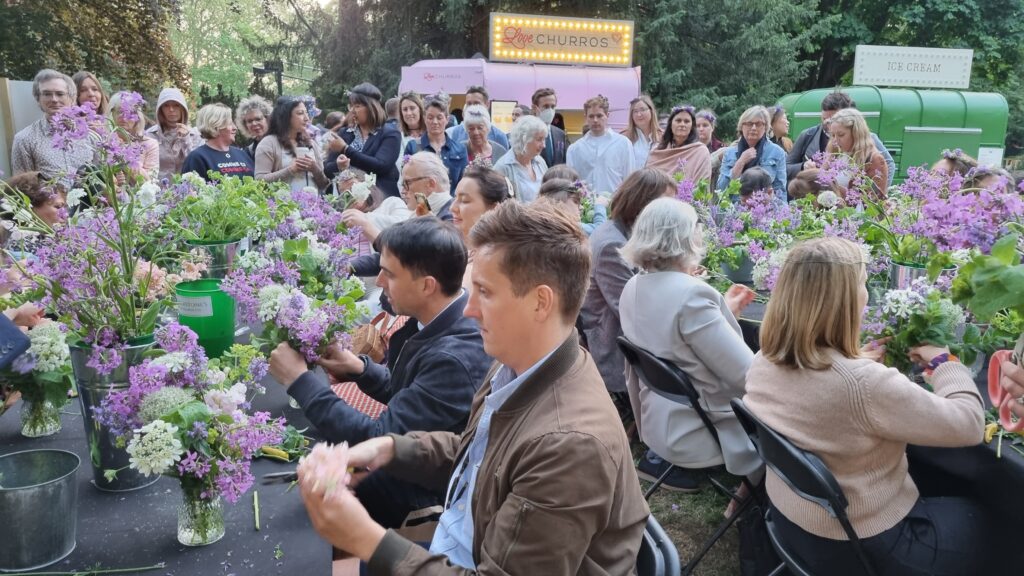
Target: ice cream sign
556, 40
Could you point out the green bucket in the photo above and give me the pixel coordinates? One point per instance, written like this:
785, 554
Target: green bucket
209, 312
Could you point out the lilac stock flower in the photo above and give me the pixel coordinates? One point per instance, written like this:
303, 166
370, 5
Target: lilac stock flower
73, 124
104, 360
233, 479
131, 104
685, 190
194, 465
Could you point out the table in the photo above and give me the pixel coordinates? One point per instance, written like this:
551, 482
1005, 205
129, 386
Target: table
132, 529
972, 471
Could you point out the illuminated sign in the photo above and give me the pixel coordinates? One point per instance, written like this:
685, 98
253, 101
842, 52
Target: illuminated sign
556, 40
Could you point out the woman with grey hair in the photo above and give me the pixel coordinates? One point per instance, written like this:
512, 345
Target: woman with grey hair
673, 314
477, 122
754, 149
252, 116
523, 165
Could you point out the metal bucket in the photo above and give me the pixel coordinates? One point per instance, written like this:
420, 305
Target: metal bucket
39, 508
104, 454
222, 255
743, 273
901, 276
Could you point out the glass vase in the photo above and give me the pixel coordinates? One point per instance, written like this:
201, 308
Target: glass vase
39, 418
200, 521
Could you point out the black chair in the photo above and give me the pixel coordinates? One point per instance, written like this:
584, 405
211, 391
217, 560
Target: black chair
658, 555
668, 380
806, 475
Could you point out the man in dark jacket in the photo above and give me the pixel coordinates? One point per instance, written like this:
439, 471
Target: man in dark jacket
545, 102
541, 481
429, 380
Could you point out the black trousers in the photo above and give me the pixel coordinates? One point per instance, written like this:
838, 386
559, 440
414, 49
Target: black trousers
389, 500
940, 536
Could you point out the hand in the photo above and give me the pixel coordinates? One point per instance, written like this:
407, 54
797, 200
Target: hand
343, 162
874, 350
372, 455
923, 355
27, 315
302, 164
748, 155
341, 363
341, 519
738, 297
602, 200
182, 129
1012, 380
810, 165
354, 218
286, 365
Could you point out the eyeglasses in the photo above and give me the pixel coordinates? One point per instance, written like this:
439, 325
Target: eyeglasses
756, 125
52, 94
407, 183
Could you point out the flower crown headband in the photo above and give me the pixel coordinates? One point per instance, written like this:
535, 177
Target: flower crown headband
681, 108
956, 154
707, 115
582, 188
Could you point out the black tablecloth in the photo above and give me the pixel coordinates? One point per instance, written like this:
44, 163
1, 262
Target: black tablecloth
131, 529
974, 472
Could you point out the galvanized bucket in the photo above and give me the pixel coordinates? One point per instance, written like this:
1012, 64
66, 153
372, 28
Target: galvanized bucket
743, 273
104, 454
222, 255
901, 276
39, 508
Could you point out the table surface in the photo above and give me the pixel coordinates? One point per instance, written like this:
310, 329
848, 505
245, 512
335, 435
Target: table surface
139, 528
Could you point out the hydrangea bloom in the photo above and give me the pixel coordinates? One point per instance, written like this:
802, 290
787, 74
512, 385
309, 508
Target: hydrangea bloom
154, 448
49, 346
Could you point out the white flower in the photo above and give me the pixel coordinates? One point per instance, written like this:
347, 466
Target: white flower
147, 194
360, 191
763, 268
75, 197
252, 261
176, 362
154, 448
828, 199
215, 377
270, 298
193, 179
49, 346
225, 401
901, 304
310, 190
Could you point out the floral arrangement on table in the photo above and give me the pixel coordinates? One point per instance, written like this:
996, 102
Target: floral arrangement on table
43, 376
357, 193
185, 416
916, 315
229, 209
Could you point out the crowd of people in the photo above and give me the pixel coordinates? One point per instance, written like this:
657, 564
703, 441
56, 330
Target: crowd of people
505, 389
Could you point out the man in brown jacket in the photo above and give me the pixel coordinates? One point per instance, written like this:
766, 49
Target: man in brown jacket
541, 482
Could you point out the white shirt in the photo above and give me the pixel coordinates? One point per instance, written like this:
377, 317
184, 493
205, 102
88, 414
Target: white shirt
603, 162
641, 150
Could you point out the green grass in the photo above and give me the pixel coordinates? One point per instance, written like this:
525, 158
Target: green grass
690, 519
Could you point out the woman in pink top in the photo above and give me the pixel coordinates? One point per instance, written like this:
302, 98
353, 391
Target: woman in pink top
812, 383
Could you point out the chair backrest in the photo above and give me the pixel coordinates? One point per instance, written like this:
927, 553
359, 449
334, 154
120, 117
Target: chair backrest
665, 378
658, 555
801, 470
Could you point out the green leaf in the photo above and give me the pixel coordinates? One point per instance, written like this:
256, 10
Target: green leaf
185, 416
1005, 249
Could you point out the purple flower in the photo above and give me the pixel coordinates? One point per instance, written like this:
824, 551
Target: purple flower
72, 124
233, 479
131, 103
193, 464
24, 364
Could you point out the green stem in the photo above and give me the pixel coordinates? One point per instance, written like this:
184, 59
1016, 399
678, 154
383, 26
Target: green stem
104, 571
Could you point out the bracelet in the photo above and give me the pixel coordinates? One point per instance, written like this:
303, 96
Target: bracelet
939, 360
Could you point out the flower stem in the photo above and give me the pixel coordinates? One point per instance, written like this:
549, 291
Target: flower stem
92, 572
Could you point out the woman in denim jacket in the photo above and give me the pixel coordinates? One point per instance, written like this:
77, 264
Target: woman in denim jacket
754, 149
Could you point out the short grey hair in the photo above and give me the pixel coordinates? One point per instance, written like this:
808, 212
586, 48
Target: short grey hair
139, 128
248, 105
433, 167
476, 114
525, 129
754, 113
45, 75
665, 235
211, 119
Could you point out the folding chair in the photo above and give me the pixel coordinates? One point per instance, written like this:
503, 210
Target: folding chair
806, 475
668, 380
658, 556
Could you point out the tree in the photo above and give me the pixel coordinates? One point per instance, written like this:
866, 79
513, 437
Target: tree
124, 42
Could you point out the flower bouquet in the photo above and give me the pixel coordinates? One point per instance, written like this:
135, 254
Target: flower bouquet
355, 193
227, 210
185, 417
43, 376
917, 315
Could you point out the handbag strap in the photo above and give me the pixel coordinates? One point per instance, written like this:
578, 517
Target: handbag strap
380, 319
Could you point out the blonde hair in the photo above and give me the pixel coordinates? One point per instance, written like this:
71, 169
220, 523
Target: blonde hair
751, 114
632, 131
863, 145
212, 118
665, 236
815, 305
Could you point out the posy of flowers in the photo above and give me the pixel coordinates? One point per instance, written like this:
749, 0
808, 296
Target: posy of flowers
186, 417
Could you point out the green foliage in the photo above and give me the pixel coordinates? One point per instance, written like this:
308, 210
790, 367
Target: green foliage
228, 210
988, 285
124, 42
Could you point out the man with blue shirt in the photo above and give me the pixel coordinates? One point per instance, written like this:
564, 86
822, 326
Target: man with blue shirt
435, 364
541, 481
478, 95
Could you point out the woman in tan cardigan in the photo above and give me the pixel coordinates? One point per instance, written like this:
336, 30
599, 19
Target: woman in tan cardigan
812, 383
287, 154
